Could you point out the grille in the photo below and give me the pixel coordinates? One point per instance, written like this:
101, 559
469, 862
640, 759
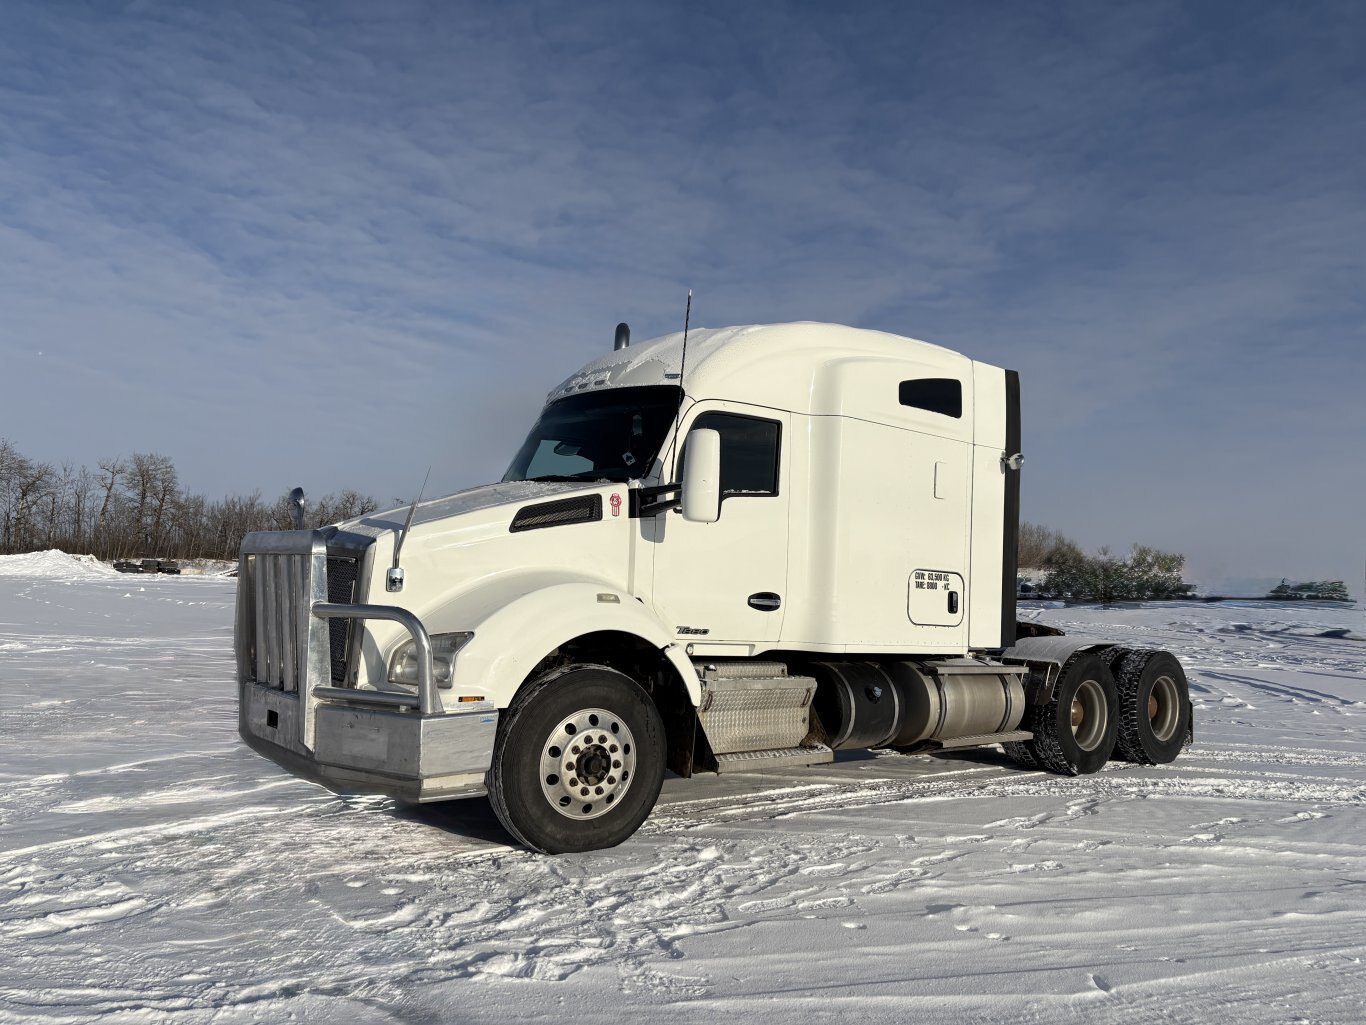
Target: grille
341, 590
278, 586
278, 641
584, 509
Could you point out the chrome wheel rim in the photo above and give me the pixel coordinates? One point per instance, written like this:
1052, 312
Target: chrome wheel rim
1164, 708
587, 763
1088, 715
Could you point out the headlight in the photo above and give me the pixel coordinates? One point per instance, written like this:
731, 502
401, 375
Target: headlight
403, 664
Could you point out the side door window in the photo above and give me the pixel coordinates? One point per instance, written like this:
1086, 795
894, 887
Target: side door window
750, 449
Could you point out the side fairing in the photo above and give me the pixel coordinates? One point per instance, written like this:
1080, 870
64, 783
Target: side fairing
995, 508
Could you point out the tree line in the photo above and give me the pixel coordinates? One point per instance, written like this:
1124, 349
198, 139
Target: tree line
1103, 576
134, 507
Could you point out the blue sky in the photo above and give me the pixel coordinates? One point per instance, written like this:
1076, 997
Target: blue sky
332, 243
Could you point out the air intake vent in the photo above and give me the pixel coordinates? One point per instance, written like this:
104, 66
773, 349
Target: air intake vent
341, 590
558, 514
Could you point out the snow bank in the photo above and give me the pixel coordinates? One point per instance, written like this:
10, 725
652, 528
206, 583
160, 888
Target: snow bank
54, 564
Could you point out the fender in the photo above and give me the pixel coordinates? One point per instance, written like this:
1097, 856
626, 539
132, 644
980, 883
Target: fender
508, 643
1045, 656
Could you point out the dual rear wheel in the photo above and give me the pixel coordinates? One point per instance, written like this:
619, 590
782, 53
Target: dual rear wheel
1154, 706
1123, 703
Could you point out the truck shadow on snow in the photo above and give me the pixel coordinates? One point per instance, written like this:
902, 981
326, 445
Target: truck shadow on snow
471, 819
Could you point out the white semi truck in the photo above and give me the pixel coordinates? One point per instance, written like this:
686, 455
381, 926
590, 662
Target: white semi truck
718, 551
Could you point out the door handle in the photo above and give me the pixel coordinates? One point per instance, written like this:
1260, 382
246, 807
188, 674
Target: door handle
765, 601
953, 603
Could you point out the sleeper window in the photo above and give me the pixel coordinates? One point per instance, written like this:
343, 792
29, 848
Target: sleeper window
942, 395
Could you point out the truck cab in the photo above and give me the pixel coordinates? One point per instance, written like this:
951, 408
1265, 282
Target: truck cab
717, 550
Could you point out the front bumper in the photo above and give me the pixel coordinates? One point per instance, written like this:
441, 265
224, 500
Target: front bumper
372, 750
394, 742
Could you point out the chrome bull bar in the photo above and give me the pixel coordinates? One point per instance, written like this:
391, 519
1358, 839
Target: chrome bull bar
282, 638
426, 698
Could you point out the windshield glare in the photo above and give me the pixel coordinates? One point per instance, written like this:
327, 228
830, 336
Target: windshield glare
606, 435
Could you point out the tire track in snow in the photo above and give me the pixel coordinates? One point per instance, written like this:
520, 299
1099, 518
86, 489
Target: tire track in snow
1294, 694
1176, 780
114, 839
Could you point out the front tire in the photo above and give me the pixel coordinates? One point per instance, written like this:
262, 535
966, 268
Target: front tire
1074, 733
578, 762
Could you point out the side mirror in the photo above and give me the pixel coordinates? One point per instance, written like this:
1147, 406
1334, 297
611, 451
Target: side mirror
702, 476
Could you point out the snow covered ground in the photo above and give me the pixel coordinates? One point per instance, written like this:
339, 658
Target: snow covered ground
153, 869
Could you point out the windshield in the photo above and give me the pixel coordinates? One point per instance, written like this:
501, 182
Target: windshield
604, 435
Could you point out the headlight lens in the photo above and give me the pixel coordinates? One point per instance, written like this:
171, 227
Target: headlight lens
403, 664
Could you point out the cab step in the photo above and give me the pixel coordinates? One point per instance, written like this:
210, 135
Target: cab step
776, 758
740, 669
980, 740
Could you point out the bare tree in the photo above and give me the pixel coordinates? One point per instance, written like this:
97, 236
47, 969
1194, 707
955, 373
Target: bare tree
142, 510
10, 463
32, 483
347, 505
165, 487
1040, 544
188, 513
81, 498
138, 483
111, 473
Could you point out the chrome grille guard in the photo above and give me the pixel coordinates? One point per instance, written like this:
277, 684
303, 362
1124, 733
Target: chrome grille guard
281, 635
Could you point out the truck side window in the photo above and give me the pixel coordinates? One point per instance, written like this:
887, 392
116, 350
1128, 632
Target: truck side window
937, 394
749, 453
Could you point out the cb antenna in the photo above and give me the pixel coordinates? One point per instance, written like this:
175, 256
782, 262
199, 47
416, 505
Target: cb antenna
683, 359
682, 366
393, 580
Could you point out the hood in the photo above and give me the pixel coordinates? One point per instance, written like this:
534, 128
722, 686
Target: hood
485, 496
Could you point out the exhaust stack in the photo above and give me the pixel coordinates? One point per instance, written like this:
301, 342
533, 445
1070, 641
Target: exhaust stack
623, 338
296, 507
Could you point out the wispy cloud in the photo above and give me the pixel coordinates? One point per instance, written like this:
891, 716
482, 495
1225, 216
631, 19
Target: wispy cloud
334, 243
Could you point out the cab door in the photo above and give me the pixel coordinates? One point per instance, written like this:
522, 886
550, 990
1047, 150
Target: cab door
725, 583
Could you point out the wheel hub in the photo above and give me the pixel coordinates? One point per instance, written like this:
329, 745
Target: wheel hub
587, 763
1088, 715
593, 764
1164, 708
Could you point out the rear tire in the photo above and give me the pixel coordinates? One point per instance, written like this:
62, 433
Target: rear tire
1112, 657
1154, 707
1075, 732
1020, 752
578, 762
